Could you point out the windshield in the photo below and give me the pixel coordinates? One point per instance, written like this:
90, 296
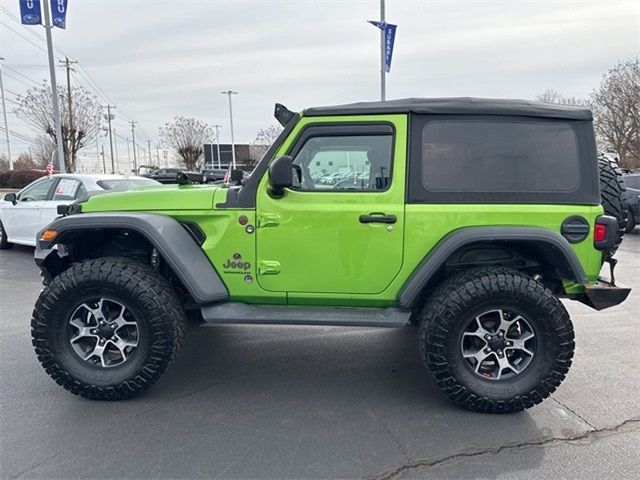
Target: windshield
125, 184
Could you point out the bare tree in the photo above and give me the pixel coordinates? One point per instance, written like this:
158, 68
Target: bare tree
616, 111
187, 137
42, 150
24, 162
36, 109
553, 96
264, 139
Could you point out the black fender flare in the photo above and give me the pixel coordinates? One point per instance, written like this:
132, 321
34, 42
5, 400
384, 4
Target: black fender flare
558, 247
172, 240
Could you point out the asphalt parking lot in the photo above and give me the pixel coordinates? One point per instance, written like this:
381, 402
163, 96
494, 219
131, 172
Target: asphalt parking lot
318, 402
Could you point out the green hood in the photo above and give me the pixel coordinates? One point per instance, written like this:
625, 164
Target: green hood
165, 197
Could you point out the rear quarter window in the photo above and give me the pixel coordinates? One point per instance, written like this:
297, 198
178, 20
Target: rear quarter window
480, 156
495, 159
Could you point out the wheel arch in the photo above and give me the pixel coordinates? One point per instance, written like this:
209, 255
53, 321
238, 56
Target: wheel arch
175, 243
541, 245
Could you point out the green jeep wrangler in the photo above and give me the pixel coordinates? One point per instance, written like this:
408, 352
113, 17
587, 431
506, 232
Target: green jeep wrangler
467, 219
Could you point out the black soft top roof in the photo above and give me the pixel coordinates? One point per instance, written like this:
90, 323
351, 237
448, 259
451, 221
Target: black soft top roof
457, 105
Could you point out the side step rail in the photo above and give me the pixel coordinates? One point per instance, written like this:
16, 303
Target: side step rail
242, 313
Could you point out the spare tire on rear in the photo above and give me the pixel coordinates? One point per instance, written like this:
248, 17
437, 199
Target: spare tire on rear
613, 195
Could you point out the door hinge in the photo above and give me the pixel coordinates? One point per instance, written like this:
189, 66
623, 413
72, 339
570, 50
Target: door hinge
268, 267
269, 220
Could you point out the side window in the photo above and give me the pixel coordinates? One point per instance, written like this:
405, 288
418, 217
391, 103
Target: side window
499, 156
81, 191
66, 189
37, 191
344, 163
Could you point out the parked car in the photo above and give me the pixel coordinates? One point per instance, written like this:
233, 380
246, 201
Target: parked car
25, 213
170, 175
214, 174
632, 182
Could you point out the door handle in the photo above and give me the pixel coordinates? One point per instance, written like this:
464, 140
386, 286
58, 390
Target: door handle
378, 218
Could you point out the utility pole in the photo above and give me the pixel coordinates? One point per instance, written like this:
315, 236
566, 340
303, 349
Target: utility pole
109, 118
98, 141
383, 94
233, 145
104, 165
128, 157
149, 151
54, 87
67, 64
133, 139
115, 148
158, 153
217, 127
6, 123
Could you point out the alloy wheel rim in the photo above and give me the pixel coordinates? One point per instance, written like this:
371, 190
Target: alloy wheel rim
498, 344
103, 332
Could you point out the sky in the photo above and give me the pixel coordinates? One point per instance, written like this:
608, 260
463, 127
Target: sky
155, 59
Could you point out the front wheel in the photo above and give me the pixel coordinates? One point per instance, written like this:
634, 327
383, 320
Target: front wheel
107, 329
496, 340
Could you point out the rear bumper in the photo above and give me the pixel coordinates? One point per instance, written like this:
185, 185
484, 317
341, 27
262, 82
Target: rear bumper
603, 294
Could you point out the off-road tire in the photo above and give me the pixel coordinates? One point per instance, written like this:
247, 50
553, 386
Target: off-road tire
148, 295
457, 300
613, 196
4, 244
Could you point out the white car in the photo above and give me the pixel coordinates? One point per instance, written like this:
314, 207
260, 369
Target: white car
24, 214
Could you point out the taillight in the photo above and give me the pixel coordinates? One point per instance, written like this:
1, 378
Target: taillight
599, 232
605, 232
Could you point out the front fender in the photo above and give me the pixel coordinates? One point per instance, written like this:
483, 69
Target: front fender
174, 243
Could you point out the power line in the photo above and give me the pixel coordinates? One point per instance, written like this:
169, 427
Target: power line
18, 79
17, 135
24, 38
22, 75
82, 71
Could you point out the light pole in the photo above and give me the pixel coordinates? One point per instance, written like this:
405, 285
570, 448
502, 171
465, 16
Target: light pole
383, 93
133, 139
217, 127
233, 144
54, 88
6, 123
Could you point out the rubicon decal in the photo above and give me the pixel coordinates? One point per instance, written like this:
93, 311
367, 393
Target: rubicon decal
236, 264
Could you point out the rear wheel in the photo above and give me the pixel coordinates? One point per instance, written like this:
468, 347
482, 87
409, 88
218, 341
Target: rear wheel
495, 340
4, 244
107, 329
612, 194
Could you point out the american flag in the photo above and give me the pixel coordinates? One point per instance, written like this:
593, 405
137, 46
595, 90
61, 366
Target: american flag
49, 167
227, 175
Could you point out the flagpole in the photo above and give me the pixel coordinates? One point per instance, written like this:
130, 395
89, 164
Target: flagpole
54, 87
382, 48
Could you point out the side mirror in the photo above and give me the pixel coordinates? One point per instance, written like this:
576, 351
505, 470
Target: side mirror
11, 197
280, 175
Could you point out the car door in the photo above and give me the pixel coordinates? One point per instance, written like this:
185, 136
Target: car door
65, 192
344, 238
22, 220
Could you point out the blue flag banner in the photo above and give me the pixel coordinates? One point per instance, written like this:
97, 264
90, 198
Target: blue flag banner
30, 12
389, 30
59, 13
